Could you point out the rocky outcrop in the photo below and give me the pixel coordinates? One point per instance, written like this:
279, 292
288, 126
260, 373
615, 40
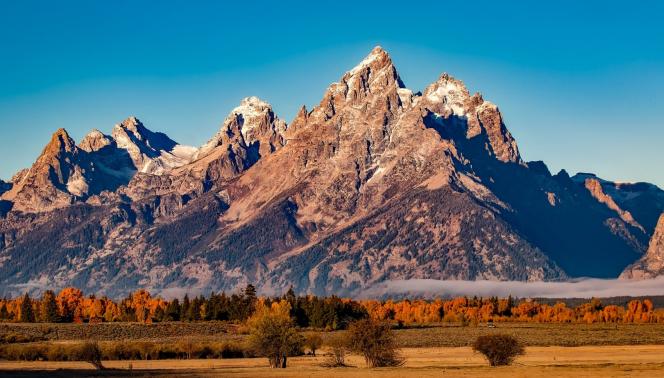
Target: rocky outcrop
652, 264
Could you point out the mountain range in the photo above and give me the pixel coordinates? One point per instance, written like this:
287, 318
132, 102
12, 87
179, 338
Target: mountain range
375, 183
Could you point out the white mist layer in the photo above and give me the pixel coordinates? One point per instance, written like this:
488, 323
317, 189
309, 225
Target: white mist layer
584, 288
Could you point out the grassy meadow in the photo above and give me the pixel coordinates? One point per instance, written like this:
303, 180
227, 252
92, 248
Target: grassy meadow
615, 350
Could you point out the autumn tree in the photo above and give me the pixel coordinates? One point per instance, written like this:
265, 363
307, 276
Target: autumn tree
273, 334
68, 300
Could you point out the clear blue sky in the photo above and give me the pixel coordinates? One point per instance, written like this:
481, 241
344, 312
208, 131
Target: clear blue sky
580, 83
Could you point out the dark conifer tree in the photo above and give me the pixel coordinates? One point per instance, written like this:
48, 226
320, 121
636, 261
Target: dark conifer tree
172, 311
26, 314
48, 307
184, 309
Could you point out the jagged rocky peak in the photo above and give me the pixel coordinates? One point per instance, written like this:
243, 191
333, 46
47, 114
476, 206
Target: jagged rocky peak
60, 142
252, 124
258, 120
55, 178
95, 140
373, 86
130, 131
151, 152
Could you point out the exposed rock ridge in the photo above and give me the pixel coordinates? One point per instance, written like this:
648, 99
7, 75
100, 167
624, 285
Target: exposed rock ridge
595, 188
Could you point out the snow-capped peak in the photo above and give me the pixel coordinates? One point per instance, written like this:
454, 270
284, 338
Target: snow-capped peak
151, 152
252, 120
450, 92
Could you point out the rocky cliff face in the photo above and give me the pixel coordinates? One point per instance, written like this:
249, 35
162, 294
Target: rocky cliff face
4, 186
375, 183
652, 264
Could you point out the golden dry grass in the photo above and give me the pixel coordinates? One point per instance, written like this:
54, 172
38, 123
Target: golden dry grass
585, 361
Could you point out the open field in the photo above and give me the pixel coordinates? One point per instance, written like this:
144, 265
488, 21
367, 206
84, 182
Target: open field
562, 350
587, 361
436, 335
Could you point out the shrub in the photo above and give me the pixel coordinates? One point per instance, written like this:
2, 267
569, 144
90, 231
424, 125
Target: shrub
230, 350
338, 349
124, 350
375, 341
23, 352
90, 352
498, 349
15, 337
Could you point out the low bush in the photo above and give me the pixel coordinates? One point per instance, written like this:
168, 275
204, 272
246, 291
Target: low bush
90, 352
498, 349
122, 350
15, 337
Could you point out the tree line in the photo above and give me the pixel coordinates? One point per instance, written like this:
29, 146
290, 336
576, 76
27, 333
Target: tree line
331, 313
71, 305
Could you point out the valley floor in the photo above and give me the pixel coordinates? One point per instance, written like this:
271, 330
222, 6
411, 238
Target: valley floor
584, 361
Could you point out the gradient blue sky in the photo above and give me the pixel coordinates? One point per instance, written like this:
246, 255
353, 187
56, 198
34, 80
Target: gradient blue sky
580, 83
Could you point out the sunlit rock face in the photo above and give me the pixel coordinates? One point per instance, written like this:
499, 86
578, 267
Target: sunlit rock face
377, 182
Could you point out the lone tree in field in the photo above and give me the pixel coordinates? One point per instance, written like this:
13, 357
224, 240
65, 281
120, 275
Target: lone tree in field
498, 349
313, 342
273, 334
375, 341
